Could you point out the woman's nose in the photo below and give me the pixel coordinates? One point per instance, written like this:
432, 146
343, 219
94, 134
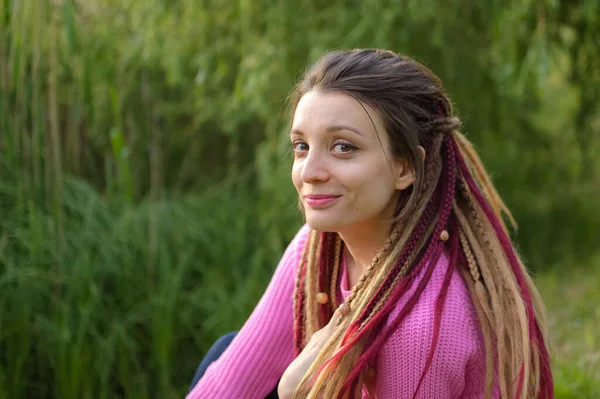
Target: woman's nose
314, 168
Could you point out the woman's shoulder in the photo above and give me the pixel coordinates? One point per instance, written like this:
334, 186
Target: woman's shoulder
459, 326
302, 235
456, 301
293, 252
459, 343
300, 238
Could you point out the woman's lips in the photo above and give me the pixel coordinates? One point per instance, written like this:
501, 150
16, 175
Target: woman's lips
319, 201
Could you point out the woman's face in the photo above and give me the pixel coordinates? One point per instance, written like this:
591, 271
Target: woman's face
344, 172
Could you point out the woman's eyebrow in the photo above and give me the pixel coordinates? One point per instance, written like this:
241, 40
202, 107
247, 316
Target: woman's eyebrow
334, 128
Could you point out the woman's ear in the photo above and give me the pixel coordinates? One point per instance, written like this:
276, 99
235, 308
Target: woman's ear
406, 172
422, 153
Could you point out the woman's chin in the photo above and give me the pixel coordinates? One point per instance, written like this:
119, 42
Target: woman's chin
323, 224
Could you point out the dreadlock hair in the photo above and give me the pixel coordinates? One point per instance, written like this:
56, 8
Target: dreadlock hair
452, 207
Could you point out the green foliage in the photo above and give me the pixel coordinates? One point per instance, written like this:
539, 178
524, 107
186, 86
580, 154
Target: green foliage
144, 174
144, 97
137, 295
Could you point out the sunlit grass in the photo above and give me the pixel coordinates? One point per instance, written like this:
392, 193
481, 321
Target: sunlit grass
572, 296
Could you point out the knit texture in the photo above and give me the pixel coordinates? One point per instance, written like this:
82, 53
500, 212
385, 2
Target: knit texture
259, 354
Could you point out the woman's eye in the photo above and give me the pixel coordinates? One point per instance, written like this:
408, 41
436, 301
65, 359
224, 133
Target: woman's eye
299, 146
344, 148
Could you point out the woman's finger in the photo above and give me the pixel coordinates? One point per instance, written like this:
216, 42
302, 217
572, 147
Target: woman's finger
335, 318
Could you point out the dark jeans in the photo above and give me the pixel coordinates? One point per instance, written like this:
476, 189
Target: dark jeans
213, 354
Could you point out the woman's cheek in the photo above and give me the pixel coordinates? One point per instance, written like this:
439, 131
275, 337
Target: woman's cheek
296, 180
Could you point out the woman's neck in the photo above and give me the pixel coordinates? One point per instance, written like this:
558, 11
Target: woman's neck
361, 245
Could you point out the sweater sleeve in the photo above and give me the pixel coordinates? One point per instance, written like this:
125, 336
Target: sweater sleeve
458, 366
259, 354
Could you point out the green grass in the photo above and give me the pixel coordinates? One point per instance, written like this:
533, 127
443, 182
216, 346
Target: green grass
132, 298
572, 297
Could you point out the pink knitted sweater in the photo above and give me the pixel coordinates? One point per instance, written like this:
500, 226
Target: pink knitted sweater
259, 354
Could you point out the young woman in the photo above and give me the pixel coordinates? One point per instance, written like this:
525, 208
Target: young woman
403, 283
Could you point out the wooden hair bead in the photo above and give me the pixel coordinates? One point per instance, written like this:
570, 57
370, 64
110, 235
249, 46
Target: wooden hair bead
444, 236
322, 298
344, 309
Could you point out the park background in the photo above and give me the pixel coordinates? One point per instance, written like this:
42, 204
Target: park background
145, 197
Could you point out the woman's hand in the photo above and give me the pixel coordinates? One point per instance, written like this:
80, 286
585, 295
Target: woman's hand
293, 374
